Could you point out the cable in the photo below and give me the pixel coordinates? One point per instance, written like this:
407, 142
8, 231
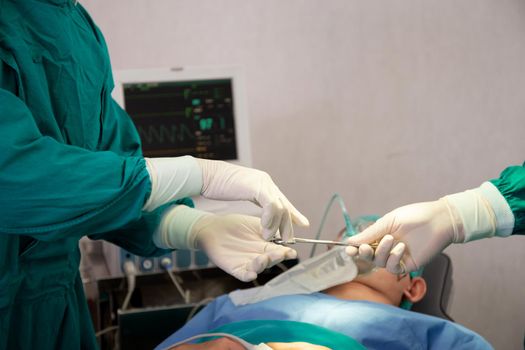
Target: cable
106, 330
131, 273
350, 231
166, 264
185, 294
282, 267
197, 306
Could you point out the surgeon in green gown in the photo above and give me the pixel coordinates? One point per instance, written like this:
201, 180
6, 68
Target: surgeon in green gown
71, 165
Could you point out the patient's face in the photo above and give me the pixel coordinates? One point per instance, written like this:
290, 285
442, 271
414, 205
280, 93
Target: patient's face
390, 285
382, 287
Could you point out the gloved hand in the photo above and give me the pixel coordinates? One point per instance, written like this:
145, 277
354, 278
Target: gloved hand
424, 228
233, 242
175, 178
412, 235
225, 181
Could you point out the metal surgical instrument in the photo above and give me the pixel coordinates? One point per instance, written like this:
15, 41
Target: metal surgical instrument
319, 241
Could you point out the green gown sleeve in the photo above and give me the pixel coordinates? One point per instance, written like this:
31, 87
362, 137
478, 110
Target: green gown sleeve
136, 236
51, 189
511, 184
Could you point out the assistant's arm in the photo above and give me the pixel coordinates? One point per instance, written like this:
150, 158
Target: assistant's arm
410, 236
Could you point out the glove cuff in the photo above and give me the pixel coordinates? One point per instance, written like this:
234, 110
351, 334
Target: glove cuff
501, 208
208, 168
176, 228
456, 221
474, 213
172, 179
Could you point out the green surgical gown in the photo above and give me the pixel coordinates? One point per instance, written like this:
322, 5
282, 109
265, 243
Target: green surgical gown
70, 165
511, 184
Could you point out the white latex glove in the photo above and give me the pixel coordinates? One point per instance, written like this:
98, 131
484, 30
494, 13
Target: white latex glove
234, 243
412, 235
225, 181
179, 177
424, 228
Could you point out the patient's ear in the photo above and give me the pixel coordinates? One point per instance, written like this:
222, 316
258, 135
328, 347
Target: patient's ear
416, 290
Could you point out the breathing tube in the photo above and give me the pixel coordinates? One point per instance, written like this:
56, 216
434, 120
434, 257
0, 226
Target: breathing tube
349, 228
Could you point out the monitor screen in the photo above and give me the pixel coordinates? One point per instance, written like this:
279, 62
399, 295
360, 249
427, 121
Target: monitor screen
176, 118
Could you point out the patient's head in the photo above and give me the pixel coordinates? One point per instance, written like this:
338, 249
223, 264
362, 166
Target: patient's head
380, 285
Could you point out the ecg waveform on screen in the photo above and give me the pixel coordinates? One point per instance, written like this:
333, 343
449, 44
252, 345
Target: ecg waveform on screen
177, 118
160, 134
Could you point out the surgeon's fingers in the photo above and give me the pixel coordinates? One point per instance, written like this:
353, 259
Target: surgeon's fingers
394, 262
366, 253
291, 254
248, 269
271, 219
259, 263
297, 218
286, 228
242, 274
273, 254
383, 251
277, 253
274, 258
352, 251
286, 252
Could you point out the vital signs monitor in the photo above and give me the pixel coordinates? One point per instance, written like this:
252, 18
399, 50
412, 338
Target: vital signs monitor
187, 111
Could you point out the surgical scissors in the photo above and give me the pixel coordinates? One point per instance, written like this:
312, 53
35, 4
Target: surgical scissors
319, 241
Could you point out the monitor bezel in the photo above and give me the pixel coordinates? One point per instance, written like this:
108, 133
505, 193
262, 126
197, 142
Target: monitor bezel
186, 74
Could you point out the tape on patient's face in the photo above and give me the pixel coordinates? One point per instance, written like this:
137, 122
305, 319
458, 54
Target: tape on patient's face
315, 274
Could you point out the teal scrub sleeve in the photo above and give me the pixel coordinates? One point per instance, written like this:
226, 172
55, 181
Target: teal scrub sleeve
136, 237
511, 184
52, 190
